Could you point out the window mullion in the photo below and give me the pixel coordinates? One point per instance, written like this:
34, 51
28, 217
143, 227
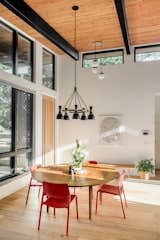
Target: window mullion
13, 142
15, 52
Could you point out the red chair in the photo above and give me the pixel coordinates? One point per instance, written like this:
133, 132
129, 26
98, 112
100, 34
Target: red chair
33, 184
92, 162
117, 189
57, 196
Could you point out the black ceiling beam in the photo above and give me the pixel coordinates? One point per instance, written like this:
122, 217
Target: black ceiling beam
120, 7
25, 12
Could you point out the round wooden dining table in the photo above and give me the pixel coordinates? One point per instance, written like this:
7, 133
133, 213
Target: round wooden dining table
91, 175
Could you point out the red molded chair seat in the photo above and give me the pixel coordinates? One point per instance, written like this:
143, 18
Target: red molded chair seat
58, 196
58, 203
106, 188
114, 189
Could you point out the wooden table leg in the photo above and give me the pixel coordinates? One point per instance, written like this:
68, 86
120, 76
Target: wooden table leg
90, 202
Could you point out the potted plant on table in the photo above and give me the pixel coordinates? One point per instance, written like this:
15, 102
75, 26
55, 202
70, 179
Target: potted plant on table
78, 155
145, 167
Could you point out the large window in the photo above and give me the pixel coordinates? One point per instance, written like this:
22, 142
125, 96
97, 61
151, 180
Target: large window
6, 49
16, 53
16, 109
147, 53
48, 69
104, 58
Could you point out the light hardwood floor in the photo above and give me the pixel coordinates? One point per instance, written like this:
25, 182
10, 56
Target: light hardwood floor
18, 222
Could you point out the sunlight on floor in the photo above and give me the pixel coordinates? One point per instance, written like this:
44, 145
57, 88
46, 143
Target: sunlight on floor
142, 193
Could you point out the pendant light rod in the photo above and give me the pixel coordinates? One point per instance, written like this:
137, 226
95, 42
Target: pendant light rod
95, 56
75, 9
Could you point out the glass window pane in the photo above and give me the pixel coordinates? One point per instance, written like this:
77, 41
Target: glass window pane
4, 167
48, 72
87, 63
5, 117
23, 119
147, 54
103, 58
6, 49
23, 162
148, 57
24, 65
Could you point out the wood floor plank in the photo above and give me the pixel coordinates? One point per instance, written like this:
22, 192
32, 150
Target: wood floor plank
19, 222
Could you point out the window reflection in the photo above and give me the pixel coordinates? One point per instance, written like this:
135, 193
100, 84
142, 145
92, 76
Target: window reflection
48, 69
6, 54
23, 162
24, 119
24, 64
4, 167
5, 117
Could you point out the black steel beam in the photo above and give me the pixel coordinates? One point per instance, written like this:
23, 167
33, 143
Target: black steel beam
25, 12
120, 7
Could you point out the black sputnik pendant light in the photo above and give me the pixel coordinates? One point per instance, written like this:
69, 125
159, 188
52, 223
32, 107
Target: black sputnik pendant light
75, 103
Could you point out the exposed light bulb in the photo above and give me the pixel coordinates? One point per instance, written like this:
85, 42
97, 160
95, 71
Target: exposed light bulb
101, 75
95, 70
95, 63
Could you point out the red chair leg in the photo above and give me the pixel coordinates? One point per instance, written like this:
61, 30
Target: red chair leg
77, 208
125, 199
39, 221
54, 211
122, 206
28, 191
100, 198
67, 222
97, 202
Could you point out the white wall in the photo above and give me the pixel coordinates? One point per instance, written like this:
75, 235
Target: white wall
157, 131
128, 89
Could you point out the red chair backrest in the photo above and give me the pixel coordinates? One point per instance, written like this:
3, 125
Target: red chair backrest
56, 191
92, 162
121, 177
33, 168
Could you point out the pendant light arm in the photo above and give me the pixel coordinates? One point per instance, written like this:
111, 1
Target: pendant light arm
82, 101
69, 101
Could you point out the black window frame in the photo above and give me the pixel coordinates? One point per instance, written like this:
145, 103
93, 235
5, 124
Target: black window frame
53, 69
14, 152
144, 47
15, 34
101, 52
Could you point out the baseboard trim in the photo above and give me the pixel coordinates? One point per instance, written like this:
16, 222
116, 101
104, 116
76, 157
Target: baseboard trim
12, 185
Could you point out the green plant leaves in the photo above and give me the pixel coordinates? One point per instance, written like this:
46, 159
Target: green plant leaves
145, 166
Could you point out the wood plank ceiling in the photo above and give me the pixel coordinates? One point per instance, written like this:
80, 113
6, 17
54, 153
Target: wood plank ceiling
143, 21
97, 20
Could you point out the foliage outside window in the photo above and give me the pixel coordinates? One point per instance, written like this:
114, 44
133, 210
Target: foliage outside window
104, 58
147, 54
6, 53
24, 61
5, 118
48, 69
16, 110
